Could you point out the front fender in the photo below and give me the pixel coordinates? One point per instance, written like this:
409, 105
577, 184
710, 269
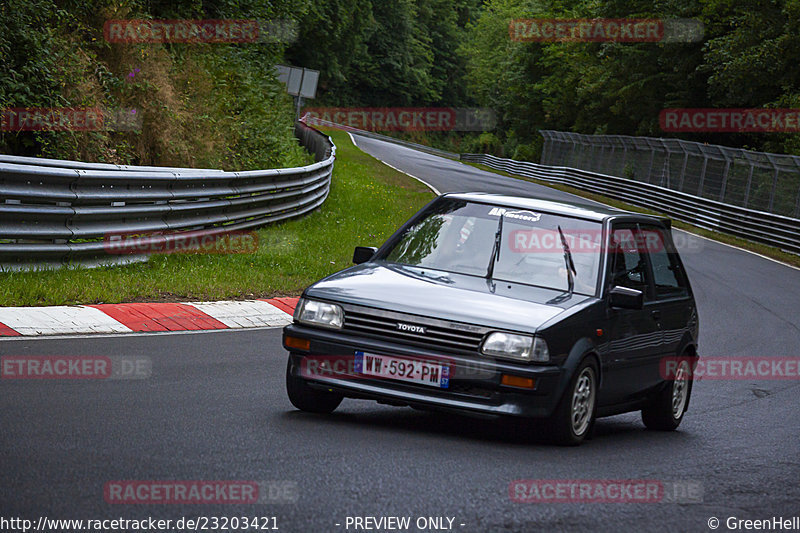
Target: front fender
583, 348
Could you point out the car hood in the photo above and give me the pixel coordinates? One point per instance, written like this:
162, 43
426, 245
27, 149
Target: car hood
444, 295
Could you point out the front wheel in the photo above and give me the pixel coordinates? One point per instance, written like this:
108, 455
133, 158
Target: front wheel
666, 411
307, 399
572, 420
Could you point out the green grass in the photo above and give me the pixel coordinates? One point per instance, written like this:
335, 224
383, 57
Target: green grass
367, 202
763, 249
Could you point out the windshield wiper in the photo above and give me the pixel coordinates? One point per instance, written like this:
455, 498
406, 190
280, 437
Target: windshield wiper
571, 272
498, 236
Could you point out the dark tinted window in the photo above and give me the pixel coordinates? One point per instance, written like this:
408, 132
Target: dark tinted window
627, 260
667, 274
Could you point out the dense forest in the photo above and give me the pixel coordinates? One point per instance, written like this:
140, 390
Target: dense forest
221, 105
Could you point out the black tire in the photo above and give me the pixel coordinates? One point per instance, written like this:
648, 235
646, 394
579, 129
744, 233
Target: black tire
573, 420
666, 410
307, 399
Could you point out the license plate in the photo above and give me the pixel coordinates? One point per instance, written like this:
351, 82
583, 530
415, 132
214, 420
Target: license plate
411, 370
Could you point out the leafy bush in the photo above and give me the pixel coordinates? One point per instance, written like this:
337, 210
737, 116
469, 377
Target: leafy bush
528, 152
203, 105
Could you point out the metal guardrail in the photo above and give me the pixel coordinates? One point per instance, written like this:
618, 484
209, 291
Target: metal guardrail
80, 165
308, 119
759, 226
57, 212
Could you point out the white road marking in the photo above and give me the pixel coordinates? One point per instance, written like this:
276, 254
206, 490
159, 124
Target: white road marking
59, 319
244, 314
739, 248
131, 334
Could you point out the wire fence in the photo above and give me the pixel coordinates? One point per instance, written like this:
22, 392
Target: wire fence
754, 180
767, 228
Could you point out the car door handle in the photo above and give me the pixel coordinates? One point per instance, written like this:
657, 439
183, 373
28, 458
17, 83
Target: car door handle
656, 314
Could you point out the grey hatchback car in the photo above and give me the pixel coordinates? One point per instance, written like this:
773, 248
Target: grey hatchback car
505, 306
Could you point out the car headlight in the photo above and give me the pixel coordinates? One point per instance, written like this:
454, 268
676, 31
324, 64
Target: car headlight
514, 346
317, 313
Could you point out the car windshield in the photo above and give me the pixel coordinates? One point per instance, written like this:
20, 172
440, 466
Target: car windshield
459, 236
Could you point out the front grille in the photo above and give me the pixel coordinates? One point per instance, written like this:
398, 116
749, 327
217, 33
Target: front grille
439, 334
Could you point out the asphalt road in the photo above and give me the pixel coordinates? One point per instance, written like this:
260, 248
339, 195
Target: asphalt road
215, 408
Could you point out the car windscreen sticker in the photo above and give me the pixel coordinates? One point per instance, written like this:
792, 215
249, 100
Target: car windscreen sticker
527, 216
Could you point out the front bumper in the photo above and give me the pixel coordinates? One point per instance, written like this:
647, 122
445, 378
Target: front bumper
474, 387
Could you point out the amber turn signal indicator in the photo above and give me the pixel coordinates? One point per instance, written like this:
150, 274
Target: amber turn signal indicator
516, 381
297, 343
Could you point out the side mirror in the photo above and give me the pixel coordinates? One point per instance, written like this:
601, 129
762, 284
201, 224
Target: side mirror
363, 254
626, 298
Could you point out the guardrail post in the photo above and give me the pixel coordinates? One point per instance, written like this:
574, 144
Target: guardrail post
774, 187
749, 183
652, 161
797, 205
609, 161
624, 157
702, 176
546, 147
547, 153
683, 168
574, 147
724, 179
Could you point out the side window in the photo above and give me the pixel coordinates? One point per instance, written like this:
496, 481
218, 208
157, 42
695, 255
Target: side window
667, 273
627, 262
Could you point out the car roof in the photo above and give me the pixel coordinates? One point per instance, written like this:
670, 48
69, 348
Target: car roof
580, 210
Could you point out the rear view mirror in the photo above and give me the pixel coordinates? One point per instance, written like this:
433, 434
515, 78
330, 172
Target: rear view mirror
626, 298
363, 254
